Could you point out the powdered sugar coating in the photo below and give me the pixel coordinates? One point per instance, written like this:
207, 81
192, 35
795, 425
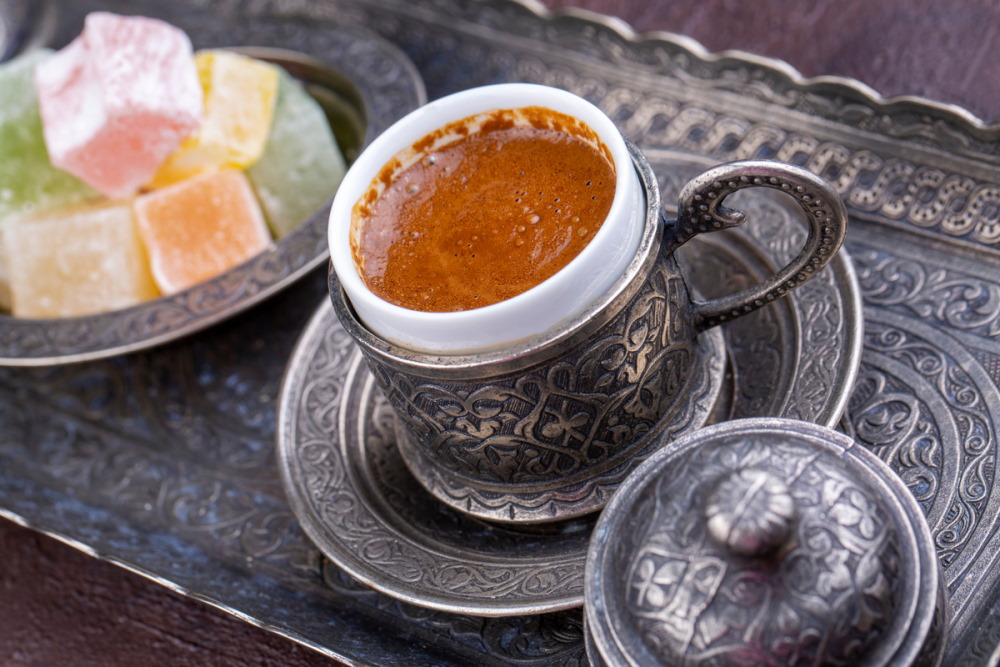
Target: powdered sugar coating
118, 100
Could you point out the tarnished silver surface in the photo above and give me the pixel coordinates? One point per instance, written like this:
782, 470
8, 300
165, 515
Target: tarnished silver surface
764, 541
347, 482
364, 84
926, 402
163, 461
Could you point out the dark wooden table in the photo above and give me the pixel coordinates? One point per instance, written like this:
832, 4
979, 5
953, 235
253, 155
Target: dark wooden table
59, 606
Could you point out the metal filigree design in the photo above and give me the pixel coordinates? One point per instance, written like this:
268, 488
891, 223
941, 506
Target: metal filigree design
223, 495
927, 403
521, 444
814, 385
750, 512
366, 479
362, 507
544, 639
562, 419
583, 491
951, 299
514, 445
701, 209
894, 189
809, 379
900, 428
902, 183
545, 428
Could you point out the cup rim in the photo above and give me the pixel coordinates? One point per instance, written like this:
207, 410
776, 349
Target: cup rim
440, 112
518, 355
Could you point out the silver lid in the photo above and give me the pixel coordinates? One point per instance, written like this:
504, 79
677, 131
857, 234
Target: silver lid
761, 542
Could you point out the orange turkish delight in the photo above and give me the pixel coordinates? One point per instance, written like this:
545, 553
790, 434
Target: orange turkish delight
200, 227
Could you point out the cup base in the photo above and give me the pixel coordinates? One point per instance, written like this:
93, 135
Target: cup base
561, 499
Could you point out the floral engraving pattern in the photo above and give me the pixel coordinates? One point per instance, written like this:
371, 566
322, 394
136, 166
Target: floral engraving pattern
584, 494
927, 402
542, 639
897, 426
949, 298
406, 541
691, 601
931, 422
558, 436
561, 419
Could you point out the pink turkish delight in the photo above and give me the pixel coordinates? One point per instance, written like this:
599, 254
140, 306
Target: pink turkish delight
118, 100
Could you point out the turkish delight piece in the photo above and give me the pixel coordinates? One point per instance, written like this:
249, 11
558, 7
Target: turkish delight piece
200, 227
76, 260
28, 181
118, 100
301, 166
239, 94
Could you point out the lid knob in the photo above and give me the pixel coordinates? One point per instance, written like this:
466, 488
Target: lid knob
750, 512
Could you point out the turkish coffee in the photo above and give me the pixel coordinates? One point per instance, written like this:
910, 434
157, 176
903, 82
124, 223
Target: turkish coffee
482, 209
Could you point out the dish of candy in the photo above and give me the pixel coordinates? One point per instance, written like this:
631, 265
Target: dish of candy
134, 167
200, 229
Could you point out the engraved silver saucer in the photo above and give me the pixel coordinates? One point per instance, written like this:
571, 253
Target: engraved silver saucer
355, 498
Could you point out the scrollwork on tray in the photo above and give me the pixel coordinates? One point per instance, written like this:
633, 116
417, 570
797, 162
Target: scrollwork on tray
891, 188
912, 397
155, 489
951, 299
542, 638
912, 190
95, 427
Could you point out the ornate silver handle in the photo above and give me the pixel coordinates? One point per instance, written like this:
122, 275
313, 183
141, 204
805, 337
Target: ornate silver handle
701, 210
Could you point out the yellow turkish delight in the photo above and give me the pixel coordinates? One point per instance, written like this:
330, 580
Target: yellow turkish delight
239, 98
77, 260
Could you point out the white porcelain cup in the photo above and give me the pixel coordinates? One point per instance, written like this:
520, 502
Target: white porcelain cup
567, 293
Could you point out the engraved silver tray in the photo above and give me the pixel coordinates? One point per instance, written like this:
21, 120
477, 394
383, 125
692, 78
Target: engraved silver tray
164, 462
